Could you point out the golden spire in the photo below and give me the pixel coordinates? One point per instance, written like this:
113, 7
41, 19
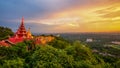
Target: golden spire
29, 35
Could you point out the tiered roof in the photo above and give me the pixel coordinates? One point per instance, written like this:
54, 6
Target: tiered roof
21, 32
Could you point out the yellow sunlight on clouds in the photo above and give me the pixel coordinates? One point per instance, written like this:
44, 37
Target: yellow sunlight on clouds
94, 19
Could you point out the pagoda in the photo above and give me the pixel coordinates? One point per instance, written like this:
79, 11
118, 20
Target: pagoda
21, 34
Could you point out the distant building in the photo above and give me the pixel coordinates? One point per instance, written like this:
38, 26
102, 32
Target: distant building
116, 42
89, 40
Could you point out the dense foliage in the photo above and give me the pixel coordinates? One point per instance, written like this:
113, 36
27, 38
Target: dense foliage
56, 54
5, 32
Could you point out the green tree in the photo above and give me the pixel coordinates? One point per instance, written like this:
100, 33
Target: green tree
5, 32
79, 51
18, 50
59, 43
15, 63
49, 57
117, 64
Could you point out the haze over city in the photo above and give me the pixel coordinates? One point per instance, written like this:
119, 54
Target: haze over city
53, 16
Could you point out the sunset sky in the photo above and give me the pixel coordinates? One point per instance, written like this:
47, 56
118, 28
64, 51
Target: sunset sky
61, 16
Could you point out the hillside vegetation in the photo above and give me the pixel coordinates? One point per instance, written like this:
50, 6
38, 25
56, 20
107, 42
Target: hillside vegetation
5, 32
59, 53
56, 54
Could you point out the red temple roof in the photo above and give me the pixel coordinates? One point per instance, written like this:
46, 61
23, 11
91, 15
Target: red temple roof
15, 40
20, 35
3, 43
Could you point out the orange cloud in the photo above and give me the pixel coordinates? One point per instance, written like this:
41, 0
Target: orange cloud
89, 18
94, 19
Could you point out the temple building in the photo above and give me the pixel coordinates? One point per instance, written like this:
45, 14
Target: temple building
21, 34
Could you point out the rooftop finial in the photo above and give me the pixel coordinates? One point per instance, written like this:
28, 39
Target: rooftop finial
22, 20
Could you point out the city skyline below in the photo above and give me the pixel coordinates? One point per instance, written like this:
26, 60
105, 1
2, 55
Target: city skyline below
62, 16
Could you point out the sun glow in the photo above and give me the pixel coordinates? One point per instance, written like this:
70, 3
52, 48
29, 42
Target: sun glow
98, 19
